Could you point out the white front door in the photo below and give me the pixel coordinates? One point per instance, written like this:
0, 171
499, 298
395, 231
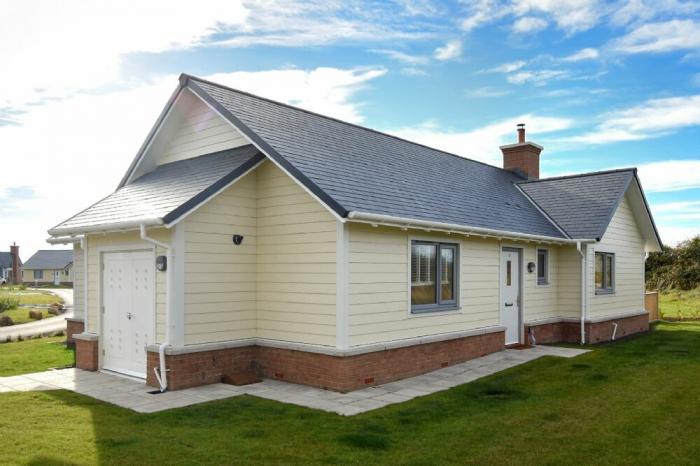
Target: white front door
56, 277
510, 294
128, 297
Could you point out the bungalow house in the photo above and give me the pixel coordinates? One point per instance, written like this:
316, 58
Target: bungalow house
10, 266
249, 235
49, 266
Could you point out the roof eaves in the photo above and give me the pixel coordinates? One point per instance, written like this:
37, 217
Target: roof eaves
646, 205
265, 147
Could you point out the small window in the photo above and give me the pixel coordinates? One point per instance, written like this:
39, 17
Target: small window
604, 272
433, 276
38, 274
509, 270
542, 267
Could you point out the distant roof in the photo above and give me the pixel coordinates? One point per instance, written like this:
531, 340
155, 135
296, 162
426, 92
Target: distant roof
582, 205
352, 168
168, 191
50, 259
5, 260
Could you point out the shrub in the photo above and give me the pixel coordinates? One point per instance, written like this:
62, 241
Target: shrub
675, 268
6, 321
37, 315
7, 303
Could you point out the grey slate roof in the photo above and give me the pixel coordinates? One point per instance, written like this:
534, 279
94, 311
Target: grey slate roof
582, 205
169, 190
50, 259
5, 260
352, 168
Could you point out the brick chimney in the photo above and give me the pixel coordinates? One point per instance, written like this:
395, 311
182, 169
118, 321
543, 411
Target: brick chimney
16, 275
522, 157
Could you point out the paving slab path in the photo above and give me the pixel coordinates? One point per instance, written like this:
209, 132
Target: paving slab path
136, 395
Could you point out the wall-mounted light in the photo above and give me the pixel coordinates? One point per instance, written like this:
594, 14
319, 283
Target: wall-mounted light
530, 267
161, 263
237, 239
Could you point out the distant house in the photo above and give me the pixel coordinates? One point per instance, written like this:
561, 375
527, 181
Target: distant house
249, 235
8, 261
49, 266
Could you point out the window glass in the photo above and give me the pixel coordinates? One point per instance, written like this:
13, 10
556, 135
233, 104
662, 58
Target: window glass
598, 270
423, 274
608, 271
542, 264
508, 273
447, 265
38, 274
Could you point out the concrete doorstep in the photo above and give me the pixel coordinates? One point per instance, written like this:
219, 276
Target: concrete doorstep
134, 394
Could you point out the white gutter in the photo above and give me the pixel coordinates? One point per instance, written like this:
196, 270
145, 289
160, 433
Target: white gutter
107, 227
163, 376
584, 293
402, 222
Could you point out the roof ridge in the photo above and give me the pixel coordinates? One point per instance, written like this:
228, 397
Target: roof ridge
310, 112
578, 175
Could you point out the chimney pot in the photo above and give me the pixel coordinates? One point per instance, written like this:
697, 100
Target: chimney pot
522, 157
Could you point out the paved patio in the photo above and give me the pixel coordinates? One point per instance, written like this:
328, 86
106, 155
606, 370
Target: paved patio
134, 394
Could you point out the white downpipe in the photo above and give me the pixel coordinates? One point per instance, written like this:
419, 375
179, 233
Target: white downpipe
83, 246
614, 330
162, 377
580, 250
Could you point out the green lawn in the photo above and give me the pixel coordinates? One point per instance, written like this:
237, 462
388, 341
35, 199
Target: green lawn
680, 304
30, 296
34, 355
20, 315
633, 402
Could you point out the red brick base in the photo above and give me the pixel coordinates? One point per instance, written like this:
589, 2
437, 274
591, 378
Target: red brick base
596, 332
86, 354
338, 373
73, 326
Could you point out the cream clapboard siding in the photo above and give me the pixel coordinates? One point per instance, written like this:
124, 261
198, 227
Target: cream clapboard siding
569, 282
197, 130
78, 282
540, 301
97, 244
47, 275
379, 286
220, 277
296, 295
624, 239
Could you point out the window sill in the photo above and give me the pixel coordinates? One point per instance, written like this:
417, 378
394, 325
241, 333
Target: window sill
435, 311
604, 292
543, 285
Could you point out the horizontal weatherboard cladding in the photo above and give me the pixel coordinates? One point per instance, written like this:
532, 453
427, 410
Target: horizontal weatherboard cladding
169, 191
352, 168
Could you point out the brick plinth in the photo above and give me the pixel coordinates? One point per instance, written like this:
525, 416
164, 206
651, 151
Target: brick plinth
596, 332
73, 327
86, 354
340, 373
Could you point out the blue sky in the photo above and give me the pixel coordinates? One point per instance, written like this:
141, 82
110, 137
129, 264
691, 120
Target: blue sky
599, 84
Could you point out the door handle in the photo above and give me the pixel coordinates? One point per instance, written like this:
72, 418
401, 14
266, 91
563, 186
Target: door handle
509, 304
128, 315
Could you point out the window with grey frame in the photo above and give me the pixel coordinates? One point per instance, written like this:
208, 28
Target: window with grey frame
604, 272
434, 276
38, 275
543, 267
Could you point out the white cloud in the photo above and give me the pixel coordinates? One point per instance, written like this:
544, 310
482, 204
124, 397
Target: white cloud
571, 16
659, 37
72, 152
537, 77
672, 234
508, 67
413, 71
637, 11
529, 25
449, 51
583, 54
670, 175
481, 143
404, 57
487, 92
652, 118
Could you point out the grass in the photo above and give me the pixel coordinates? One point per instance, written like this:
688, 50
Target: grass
30, 296
680, 305
34, 355
631, 402
20, 315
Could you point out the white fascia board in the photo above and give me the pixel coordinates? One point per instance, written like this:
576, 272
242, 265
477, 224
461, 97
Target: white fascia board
106, 227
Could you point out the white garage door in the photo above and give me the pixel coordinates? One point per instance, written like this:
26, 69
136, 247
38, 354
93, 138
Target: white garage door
128, 298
